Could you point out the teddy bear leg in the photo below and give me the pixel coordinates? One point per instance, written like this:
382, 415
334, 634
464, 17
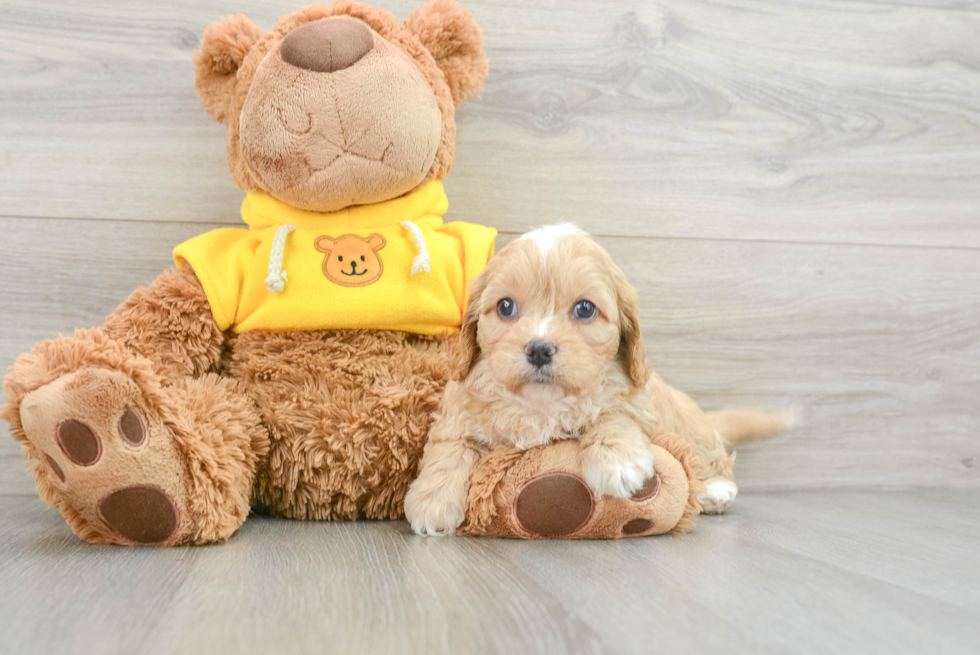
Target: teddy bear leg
170, 323
126, 459
168, 468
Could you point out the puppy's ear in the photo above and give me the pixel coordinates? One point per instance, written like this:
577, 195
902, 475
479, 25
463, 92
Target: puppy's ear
455, 41
216, 62
631, 345
469, 348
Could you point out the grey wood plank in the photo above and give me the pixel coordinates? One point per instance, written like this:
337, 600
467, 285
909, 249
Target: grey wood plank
756, 581
845, 121
14, 478
734, 586
879, 346
901, 540
79, 598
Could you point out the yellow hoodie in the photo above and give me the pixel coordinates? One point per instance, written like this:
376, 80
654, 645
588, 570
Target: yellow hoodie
392, 265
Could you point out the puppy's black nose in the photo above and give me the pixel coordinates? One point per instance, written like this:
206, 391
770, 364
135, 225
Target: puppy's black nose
539, 353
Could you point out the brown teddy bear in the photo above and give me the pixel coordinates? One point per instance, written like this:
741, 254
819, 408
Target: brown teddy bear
295, 365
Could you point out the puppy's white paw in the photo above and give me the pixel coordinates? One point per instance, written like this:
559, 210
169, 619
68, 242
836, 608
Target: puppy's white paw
435, 514
616, 471
718, 496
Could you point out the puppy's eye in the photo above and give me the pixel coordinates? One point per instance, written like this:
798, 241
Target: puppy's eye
506, 308
584, 310
362, 258
341, 258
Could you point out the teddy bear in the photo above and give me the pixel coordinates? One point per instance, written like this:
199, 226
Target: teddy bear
293, 366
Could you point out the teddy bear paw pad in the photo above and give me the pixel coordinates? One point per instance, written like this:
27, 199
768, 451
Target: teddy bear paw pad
560, 505
648, 490
554, 505
108, 455
637, 526
143, 514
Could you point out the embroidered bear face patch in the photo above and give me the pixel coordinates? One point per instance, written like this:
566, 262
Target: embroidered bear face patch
351, 260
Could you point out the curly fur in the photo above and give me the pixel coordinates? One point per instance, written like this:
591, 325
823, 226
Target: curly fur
347, 413
169, 322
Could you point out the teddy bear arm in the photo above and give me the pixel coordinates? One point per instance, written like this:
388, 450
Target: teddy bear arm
170, 323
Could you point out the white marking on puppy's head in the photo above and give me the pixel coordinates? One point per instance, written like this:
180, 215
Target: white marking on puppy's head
546, 237
541, 328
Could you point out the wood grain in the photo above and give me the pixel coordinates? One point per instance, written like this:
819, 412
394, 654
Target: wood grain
878, 347
838, 122
819, 572
794, 188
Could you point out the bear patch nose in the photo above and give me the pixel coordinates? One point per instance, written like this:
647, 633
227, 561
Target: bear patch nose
327, 45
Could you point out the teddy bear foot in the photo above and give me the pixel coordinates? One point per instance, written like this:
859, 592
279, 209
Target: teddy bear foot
110, 457
541, 493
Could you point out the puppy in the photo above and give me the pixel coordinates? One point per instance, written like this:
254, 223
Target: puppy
551, 349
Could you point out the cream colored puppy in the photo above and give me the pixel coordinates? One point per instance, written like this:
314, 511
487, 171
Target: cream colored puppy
551, 349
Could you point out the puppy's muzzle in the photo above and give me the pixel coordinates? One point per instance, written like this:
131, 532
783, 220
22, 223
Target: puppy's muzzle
539, 353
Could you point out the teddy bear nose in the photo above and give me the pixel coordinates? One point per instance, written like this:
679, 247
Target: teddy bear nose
327, 45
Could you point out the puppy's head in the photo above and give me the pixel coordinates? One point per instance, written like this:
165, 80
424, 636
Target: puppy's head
552, 308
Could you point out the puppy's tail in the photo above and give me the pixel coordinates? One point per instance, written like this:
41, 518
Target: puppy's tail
738, 426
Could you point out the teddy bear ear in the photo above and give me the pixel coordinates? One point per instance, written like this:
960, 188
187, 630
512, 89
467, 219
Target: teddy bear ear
216, 62
455, 41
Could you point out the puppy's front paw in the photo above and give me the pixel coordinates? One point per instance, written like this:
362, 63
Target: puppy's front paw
617, 471
436, 513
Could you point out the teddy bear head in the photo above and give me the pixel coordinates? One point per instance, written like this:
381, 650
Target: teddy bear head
340, 105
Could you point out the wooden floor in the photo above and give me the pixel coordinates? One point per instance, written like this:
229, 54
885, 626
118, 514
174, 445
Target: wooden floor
792, 185
804, 572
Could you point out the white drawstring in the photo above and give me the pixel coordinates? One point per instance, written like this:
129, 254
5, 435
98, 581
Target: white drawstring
276, 280
421, 261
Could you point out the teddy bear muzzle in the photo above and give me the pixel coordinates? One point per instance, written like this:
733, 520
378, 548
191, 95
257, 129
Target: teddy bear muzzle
327, 45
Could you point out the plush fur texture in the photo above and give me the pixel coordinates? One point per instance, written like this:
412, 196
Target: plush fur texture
347, 414
207, 431
169, 322
595, 386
